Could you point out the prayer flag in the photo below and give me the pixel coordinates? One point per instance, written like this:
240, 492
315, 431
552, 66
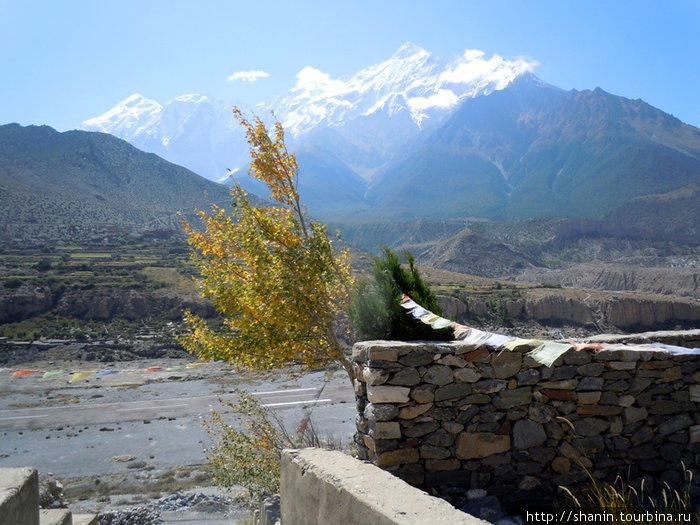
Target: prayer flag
548, 352
23, 372
53, 373
103, 373
79, 376
440, 323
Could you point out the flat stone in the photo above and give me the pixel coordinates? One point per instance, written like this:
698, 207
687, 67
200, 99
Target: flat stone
541, 412
588, 398
374, 376
481, 355
574, 357
672, 374
622, 365
561, 465
490, 386
559, 395
481, 445
438, 375
452, 391
412, 412
599, 410
439, 438
374, 350
529, 483
385, 430
634, 414
506, 364
453, 361
387, 394
665, 407
452, 427
694, 432
564, 372
590, 383
423, 393
591, 369
626, 401
466, 375
527, 433
405, 377
439, 465
417, 358
477, 399
675, 424
421, 429
568, 451
513, 398
642, 435
398, 457
380, 412
433, 452
529, 376
615, 426
590, 426
564, 384
656, 365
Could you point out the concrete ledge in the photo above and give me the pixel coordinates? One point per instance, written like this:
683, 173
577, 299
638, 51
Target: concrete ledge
323, 486
19, 496
55, 517
85, 519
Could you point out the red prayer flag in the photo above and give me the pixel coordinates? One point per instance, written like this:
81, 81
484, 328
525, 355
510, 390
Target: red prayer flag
23, 372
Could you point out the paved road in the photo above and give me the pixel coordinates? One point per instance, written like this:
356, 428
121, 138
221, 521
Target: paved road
93, 413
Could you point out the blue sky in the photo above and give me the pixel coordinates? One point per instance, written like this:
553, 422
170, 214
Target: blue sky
63, 62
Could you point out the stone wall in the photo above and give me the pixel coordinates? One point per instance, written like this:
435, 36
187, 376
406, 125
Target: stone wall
452, 413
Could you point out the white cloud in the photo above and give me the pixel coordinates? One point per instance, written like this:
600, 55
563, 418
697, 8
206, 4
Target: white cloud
472, 67
444, 98
247, 76
314, 80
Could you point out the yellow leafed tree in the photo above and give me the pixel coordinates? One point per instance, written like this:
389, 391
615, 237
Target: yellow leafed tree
272, 273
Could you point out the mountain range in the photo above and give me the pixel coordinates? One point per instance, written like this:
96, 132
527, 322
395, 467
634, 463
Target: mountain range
413, 137
85, 186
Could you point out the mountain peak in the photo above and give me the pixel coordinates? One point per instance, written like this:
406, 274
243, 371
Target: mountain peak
126, 118
408, 50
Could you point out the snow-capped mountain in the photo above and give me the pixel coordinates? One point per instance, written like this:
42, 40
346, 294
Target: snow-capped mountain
194, 131
362, 119
412, 80
415, 137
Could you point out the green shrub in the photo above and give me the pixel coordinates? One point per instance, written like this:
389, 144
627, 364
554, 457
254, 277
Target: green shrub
13, 283
375, 308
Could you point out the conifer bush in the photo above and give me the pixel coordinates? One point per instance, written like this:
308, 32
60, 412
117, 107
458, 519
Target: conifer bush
375, 307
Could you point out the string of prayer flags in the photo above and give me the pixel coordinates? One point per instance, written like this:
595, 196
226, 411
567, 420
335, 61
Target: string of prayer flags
46, 375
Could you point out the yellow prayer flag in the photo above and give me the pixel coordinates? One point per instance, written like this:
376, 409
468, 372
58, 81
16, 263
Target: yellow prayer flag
79, 376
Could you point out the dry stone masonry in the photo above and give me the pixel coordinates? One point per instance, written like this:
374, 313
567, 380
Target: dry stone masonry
437, 413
